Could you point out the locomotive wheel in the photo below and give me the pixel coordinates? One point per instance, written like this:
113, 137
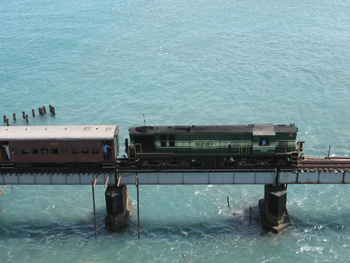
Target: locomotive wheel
151, 163
241, 162
281, 162
144, 164
263, 163
185, 163
229, 161
195, 163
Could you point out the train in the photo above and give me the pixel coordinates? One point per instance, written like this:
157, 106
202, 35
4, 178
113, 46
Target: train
150, 147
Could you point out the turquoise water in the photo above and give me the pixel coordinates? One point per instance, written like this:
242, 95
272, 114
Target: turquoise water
178, 62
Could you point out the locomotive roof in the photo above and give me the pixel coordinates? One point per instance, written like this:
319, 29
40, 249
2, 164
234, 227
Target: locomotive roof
256, 129
71, 132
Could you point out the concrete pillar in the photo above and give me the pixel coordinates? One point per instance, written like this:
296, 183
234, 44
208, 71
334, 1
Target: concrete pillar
118, 207
273, 210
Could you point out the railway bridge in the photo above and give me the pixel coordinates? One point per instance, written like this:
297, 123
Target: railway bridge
273, 211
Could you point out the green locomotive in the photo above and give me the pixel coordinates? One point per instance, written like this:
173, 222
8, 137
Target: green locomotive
254, 145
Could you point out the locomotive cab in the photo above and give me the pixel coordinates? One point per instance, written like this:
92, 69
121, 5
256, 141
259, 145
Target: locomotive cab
264, 139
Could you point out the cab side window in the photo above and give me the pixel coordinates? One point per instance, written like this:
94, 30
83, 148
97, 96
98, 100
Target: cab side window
263, 141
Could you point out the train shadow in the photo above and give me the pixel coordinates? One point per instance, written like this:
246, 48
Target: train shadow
243, 223
41, 228
234, 222
231, 223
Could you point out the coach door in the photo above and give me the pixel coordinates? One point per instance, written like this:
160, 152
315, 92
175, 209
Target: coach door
4, 151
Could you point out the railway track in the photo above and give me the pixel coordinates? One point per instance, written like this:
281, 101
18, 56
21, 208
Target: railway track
325, 163
306, 164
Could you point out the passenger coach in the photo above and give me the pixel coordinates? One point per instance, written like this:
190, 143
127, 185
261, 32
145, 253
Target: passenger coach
47, 146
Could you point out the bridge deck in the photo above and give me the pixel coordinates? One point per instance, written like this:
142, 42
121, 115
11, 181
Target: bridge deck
181, 177
310, 170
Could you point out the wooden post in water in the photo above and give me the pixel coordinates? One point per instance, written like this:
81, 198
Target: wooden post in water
138, 208
93, 184
250, 214
41, 111
3, 190
52, 109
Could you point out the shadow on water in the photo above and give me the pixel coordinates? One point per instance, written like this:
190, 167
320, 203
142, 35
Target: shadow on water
41, 228
310, 222
233, 222
230, 222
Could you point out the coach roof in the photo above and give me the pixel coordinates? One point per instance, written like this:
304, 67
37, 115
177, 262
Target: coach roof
74, 132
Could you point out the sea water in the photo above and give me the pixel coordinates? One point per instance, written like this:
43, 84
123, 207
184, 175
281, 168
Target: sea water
194, 62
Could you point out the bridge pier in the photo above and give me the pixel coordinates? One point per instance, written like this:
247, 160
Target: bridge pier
273, 210
118, 207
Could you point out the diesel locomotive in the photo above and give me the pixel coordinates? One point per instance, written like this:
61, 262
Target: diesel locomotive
254, 145
154, 147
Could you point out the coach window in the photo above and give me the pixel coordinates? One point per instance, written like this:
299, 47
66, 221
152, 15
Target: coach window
54, 151
25, 151
35, 151
163, 140
75, 151
95, 151
264, 141
44, 151
84, 150
15, 151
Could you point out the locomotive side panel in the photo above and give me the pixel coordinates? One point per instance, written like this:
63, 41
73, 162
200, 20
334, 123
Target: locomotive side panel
204, 143
214, 146
286, 142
